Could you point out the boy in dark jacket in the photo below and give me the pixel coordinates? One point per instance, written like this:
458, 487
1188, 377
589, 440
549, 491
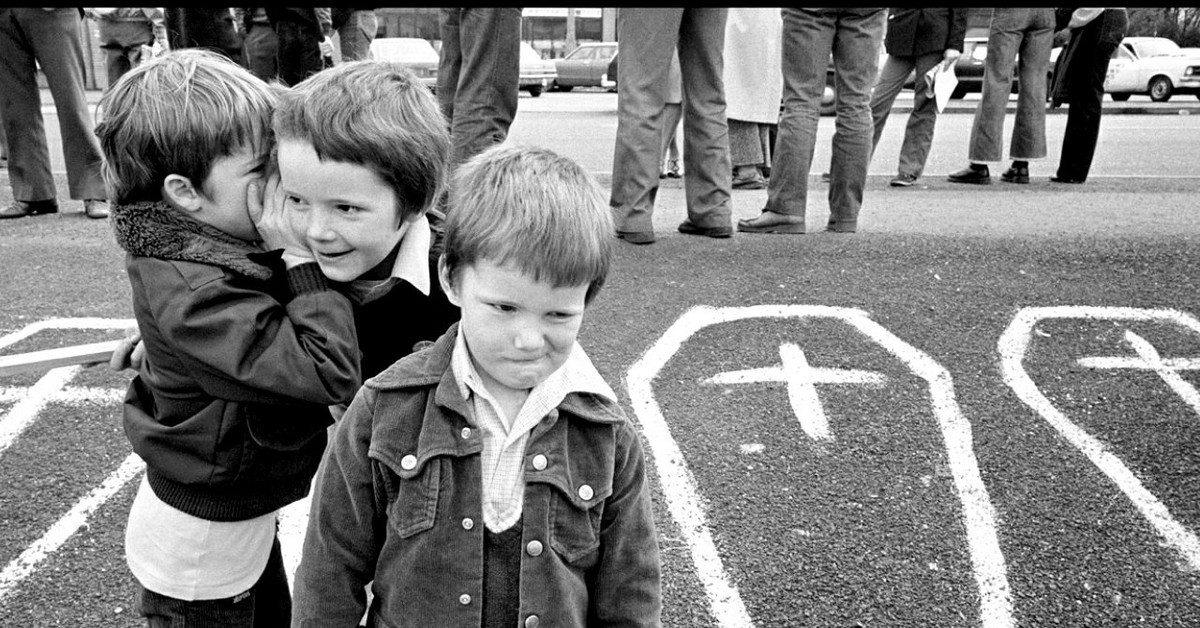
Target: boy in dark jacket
492, 479
244, 350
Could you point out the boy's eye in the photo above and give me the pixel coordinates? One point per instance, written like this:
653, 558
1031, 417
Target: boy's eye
348, 209
504, 307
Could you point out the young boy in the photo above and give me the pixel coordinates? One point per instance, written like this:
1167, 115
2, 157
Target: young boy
362, 154
492, 479
244, 350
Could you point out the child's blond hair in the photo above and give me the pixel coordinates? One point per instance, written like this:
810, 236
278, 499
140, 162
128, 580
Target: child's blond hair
532, 208
177, 114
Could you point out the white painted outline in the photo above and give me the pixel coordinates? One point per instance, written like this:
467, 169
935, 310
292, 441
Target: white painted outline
1012, 346
687, 507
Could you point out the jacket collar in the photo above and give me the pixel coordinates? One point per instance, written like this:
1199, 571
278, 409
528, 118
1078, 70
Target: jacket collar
431, 367
155, 229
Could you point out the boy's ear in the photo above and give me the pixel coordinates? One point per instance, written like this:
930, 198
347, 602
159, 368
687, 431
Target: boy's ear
447, 284
179, 191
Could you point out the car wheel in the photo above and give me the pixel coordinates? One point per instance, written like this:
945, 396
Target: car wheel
1120, 97
563, 88
535, 91
1160, 89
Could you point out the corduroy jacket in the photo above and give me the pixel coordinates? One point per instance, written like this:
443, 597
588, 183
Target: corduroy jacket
231, 405
398, 501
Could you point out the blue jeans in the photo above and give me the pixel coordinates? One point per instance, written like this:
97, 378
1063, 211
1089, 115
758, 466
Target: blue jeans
918, 133
854, 38
1027, 34
647, 38
478, 74
267, 604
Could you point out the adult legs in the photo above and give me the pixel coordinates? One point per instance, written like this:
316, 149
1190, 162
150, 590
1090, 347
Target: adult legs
122, 44
485, 98
1083, 114
891, 81
647, 38
449, 59
918, 133
707, 174
1004, 39
807, 42
856, 43
298, 54
1029, 128
21, 111
356, 35
259, 51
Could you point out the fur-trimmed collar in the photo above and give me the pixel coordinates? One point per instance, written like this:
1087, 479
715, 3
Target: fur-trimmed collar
155, 229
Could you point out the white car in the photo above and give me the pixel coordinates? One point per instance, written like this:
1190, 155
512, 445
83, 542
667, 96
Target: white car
1155, 66
414, 53
537, 74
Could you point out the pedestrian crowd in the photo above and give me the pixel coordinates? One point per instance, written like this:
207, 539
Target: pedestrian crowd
344, 281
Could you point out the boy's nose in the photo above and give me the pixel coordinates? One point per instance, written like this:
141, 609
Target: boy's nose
316, 227
529, 339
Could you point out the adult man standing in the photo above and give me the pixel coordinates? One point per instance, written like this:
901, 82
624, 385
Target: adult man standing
125, 31
648, 37
853, 36
356, 30
49, 38
1029, 31
917, 39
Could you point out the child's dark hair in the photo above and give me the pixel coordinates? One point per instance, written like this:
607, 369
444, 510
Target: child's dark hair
378, 115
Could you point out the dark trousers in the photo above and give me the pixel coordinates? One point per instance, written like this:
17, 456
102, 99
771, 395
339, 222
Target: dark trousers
478, 73
1086, 73
299, 51
259, 52
268, 604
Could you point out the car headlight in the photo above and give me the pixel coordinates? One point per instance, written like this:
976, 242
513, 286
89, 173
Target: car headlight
1192, 70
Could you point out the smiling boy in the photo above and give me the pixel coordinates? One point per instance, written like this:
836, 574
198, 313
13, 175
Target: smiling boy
493, 479
362, 155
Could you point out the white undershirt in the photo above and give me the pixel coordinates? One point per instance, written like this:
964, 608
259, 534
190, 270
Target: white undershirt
188, 558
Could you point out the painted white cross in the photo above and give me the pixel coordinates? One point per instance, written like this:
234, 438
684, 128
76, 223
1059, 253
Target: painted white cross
801, 379
1148, 358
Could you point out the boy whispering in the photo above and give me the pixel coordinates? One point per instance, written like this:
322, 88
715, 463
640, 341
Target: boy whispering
492, 479
244, 350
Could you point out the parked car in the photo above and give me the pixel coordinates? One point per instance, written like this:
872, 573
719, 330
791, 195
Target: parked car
585, 66
414, 53
1155, 66
537, 74
609, 79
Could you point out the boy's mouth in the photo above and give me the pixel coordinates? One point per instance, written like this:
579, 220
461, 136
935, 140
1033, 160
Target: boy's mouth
332, 255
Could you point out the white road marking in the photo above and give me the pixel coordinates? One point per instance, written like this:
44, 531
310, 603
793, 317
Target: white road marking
68, 525
67, 323
1148, 358
688, 509
26, 410
293, 522
1013, 345
801, 379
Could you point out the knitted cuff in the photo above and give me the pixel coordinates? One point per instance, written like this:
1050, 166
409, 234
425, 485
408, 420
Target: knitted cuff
306, 277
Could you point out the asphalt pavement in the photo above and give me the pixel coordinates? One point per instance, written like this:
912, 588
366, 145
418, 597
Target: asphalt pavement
979, 411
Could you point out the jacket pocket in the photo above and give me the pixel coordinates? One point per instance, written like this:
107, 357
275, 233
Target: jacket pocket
414, 498
575, 525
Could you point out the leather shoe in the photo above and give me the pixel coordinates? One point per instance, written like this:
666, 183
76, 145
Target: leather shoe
20, 209
971, 175
636, 237
753, 182
1066, 180
95, 208
772, 222
691, 228
1015, 175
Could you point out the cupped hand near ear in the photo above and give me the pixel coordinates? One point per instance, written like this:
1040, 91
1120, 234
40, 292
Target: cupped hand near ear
265, 202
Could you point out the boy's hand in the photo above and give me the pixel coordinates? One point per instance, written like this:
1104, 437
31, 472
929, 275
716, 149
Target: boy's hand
129, 354
272, 221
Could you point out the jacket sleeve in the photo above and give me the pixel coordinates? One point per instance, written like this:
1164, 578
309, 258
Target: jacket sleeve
628, 590
239, 343
958, 28
345, 523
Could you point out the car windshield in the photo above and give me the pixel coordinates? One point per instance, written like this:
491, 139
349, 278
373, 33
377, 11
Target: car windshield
1156, 48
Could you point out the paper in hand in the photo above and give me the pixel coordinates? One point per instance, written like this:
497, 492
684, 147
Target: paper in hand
940, 82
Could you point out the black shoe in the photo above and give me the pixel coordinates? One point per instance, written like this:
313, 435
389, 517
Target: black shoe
1066, 180
713, 232
903, 180
636, 237
95, 208
20, 209
971, 175
1016, 175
